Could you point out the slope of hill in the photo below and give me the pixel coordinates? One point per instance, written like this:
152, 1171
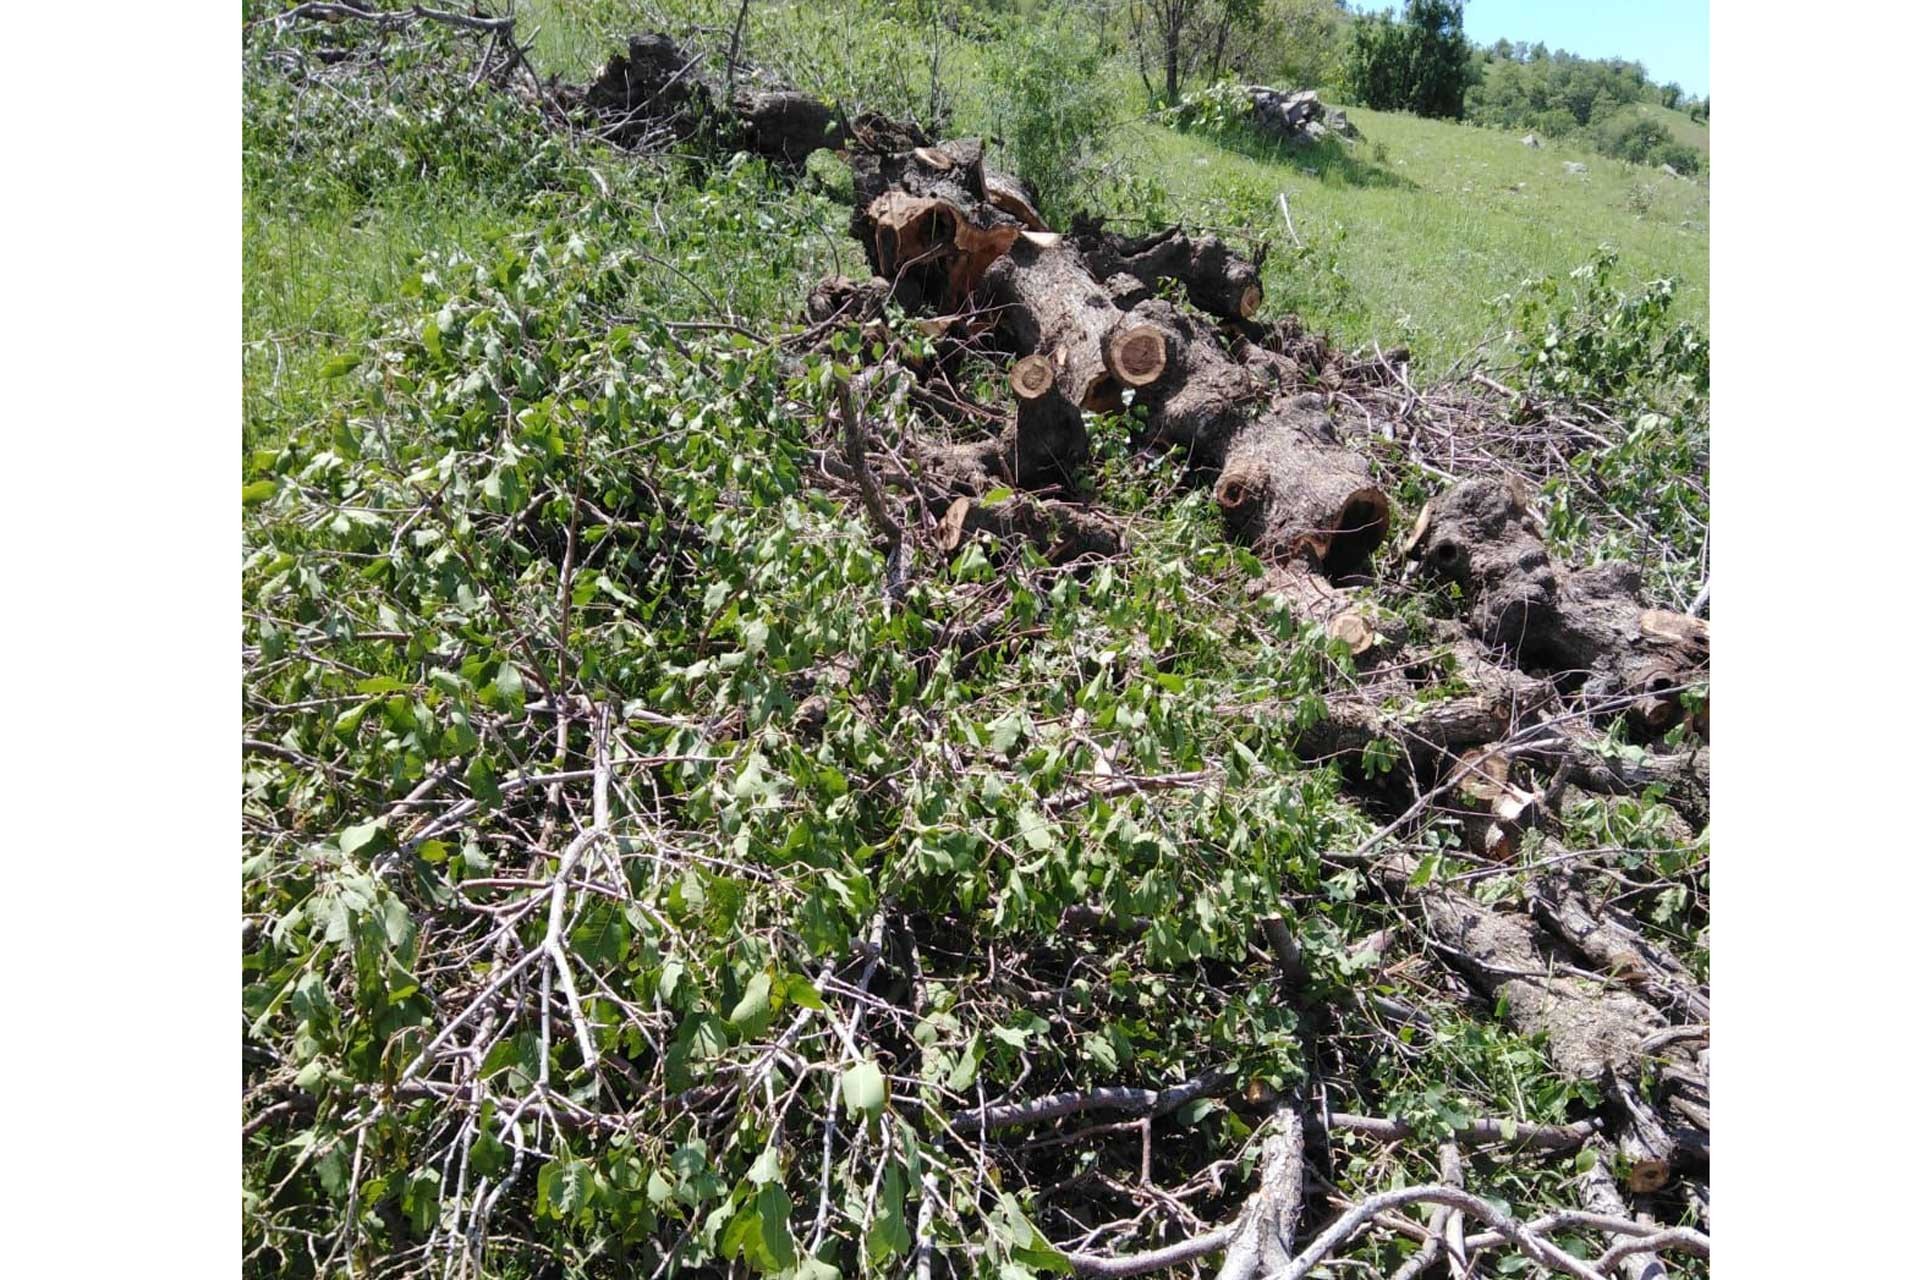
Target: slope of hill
1412, 233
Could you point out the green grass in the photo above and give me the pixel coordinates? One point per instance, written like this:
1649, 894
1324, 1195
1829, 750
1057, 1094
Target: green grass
1692, 133
314, 280
1427, 221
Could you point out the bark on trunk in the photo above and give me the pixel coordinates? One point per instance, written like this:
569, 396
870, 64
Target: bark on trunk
1589, 624
1262, 1243
1611, 945
1592, 1033
1217, 279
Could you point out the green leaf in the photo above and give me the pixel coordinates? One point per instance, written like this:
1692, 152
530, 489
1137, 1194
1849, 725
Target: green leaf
887, 1234
864, 1088
340, 365
994, 497
258, 491
766, 1168
776, 1235
481, 781
1035, 829
754, 1004
371, 836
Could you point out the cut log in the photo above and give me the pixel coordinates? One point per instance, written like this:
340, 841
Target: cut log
1589, 624
1047, 305
1285, 483
1612, 945
1592, 1033
1598, 1194
936, 216
1217, 279
1048, 440
1646, 1145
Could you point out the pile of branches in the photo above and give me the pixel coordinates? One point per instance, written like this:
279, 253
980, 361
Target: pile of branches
1553, 683
1543, 659
652, 95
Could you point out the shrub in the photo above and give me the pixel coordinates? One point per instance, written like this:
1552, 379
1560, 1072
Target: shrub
1588, 342
1053, 107
1632, 137
1683, 158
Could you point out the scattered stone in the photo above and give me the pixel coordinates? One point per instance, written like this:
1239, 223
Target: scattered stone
1298, 116
1530, 141
1573, 166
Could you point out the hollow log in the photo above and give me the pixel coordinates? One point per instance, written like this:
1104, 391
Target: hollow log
1288, 487
1588, 623
937, 216
1217, 279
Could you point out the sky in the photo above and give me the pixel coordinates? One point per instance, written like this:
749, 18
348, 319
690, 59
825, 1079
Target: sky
1668, 37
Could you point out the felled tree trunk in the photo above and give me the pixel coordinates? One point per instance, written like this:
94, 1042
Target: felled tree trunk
944, 229
1611, 945
1592, 1033
1217, 279
1284, 482
1072, 336
1589, 624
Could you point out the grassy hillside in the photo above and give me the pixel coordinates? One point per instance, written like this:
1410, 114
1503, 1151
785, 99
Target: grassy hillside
1412, 233
1692, 133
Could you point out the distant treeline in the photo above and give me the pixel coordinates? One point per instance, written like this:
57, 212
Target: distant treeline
1518, 86
1419, 59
